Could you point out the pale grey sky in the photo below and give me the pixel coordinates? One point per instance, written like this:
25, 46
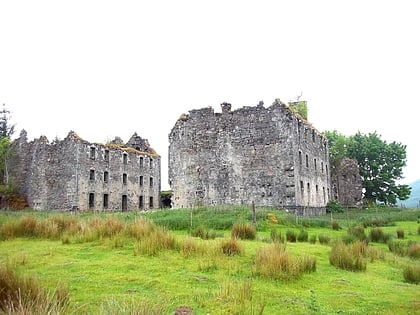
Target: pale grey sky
112, 68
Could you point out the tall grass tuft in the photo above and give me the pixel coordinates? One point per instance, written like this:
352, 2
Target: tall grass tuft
354, 234
204, 233
349, 256
291, 236
398, 247
324, 239
274, 263
411, 274
377, 235
24, 295
276, 236
158, 240
243, 231
335, 225
232, 247
413, 250
238, 298
303, 236
190, 247
400, 233
140, 228
134, 305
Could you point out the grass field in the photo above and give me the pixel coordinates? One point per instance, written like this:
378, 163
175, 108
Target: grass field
149, 263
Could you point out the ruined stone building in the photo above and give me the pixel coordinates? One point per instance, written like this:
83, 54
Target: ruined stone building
267, 155
76, 174
346, 183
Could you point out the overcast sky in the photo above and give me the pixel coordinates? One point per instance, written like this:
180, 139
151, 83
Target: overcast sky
112, 68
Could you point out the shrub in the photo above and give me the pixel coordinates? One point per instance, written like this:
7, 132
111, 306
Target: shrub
232, 247
303, 236
418, 230
348, 256
271, 217
291, 236
400, 233
412, 274
333, 206
243, 231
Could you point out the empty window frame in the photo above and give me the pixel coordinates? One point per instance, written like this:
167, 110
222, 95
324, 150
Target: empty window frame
125, 158
141, 161
141, 202
151, 163
151, 181
106, 201
106, 177
91, 200
151, 202
92, 175
106, 156
307, 160
92, 153
141, 180
124, 179
315, 164
124, 203
300, 157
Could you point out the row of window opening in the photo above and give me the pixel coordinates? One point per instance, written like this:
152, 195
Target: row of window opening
315, 163
141, 179
124, 157
124, 202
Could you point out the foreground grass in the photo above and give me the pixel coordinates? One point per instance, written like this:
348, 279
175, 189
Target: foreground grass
113, 274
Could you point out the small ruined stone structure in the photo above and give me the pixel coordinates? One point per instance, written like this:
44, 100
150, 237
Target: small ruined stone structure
76, 174
347, 183
267, 155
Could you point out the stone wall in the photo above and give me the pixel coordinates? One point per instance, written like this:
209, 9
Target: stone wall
347, 184
266, 155
76, 174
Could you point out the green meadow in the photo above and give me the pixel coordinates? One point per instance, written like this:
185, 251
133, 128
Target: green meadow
210, 261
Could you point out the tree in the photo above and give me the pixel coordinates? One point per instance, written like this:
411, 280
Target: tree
380, 165
338, 145
6, 131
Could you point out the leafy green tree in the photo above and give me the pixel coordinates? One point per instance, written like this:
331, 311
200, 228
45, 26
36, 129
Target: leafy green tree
6, 131
380, 166
338, 147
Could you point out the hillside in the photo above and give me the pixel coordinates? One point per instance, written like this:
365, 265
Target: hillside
413, 201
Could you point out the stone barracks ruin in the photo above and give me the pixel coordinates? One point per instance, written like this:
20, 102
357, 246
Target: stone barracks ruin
269, 156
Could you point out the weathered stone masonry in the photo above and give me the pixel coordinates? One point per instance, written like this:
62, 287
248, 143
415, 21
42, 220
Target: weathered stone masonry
75, 174
270, 156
